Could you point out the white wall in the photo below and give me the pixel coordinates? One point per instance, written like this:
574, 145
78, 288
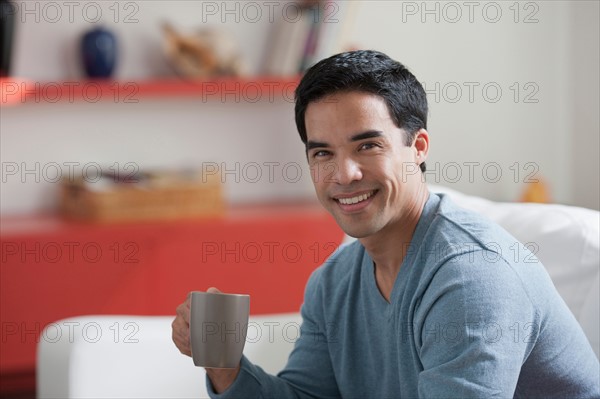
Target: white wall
242, 139
557, 56
584, 108
485, 46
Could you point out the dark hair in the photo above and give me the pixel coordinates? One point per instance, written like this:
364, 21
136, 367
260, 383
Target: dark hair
371, 72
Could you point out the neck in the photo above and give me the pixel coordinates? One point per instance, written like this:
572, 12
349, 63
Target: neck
388, 247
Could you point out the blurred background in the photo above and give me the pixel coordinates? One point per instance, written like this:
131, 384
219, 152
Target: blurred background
513, 90
193, 102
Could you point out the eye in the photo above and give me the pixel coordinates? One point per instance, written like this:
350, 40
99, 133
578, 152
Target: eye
367, 146
320, 154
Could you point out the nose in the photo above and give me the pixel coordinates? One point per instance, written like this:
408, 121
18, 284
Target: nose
347, 170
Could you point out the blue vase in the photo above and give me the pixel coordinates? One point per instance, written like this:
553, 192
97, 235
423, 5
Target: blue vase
99, 53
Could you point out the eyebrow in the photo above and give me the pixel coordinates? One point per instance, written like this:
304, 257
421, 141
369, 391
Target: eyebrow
366, 135
357, 137
315, 144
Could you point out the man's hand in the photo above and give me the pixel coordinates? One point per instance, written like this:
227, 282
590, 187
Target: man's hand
221, 378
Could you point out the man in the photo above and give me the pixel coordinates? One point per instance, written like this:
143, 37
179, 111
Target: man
430, 301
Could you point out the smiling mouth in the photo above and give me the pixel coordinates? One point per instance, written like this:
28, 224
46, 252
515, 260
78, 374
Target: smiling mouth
356, 199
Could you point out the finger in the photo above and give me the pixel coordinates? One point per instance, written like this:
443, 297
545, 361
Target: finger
213, 290
180, 329
183, 348
182, 344
183, 312
181, 338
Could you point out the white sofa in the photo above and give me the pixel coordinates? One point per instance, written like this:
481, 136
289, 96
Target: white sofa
134, 357
141, 361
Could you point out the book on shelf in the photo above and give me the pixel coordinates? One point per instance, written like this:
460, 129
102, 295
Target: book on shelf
288, 43
336, 23
319, 31
312, 39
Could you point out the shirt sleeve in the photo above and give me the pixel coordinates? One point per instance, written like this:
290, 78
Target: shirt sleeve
308, 373
476, 326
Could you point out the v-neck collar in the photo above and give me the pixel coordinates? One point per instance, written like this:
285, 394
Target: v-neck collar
368, 267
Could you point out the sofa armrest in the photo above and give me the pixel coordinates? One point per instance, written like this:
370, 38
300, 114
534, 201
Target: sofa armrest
134, 356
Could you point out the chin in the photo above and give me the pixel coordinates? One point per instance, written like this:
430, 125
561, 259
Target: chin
357, 231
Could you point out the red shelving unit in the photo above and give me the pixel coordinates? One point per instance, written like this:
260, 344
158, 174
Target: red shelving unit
53, 269
14, 91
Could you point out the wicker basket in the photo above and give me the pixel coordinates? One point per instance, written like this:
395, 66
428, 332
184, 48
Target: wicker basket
166, 196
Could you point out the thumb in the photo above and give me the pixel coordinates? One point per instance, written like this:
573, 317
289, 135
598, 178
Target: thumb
213, 290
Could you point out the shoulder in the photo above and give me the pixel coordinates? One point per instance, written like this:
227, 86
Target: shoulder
333, 285
467, 252
338, 269
458, 225
454, 231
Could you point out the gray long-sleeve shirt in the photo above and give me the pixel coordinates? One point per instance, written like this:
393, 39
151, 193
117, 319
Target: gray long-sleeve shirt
472, 313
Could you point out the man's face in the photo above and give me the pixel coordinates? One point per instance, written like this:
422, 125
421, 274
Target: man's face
363, 173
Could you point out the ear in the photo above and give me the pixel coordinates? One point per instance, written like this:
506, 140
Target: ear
421, 145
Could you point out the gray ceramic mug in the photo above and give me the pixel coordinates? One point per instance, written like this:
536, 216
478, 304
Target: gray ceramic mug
218, 328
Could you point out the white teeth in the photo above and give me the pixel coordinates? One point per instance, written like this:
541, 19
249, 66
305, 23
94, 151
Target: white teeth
355, 200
